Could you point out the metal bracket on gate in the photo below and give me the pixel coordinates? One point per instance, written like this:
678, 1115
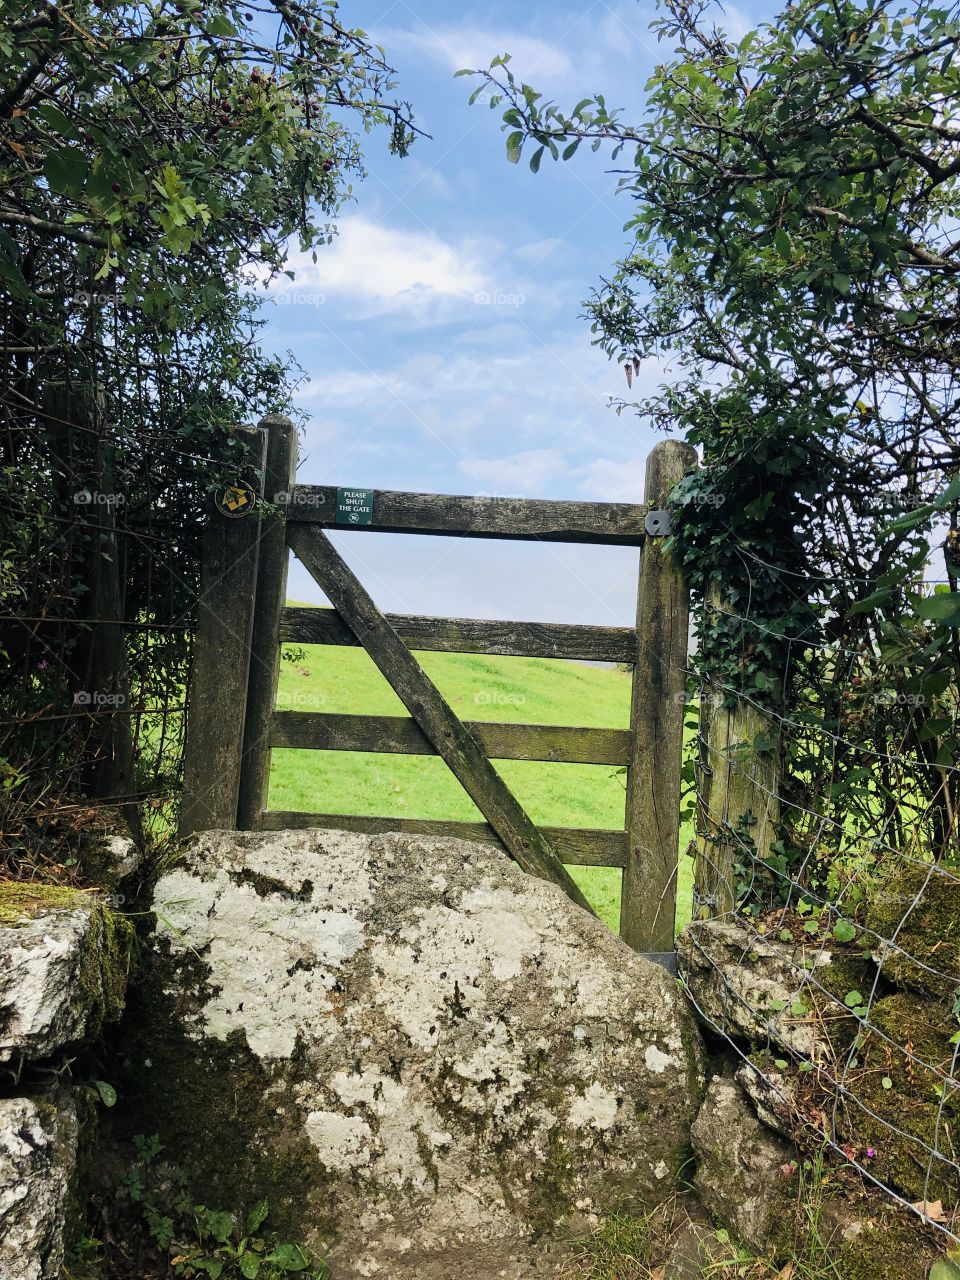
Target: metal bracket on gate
657, 523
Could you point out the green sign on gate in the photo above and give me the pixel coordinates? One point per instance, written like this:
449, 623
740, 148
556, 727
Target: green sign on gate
354, 506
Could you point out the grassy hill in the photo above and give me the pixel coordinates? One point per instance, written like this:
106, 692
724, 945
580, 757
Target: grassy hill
522, 690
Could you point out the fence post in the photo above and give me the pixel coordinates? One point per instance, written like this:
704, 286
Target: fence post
88, 462
279, 475
648, 903
738, 792
221, 664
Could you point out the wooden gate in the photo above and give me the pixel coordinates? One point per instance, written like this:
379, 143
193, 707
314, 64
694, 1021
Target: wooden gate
233, 723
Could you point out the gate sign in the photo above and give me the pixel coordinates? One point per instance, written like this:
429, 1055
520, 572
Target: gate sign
354, 506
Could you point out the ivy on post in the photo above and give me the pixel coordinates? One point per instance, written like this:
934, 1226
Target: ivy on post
648, 902
216, 707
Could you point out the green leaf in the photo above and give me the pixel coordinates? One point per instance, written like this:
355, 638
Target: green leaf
536, 158
220, 1225
55, 118
288, 1257
852, 999
65, 170
945, 1269
844, 931
250, 1265
257, 1215
944, 606
514, 146
108, 1094
886, 1082
870, 602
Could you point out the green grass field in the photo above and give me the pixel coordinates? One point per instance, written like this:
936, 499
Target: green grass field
522, 690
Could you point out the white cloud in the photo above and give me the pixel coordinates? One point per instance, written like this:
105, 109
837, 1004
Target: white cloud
613, 480
520, 475
386, 268
457, 47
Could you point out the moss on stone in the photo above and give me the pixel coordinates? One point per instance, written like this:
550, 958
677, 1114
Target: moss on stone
894, 1105
20, 901
919, 905
104, 960
886, 1251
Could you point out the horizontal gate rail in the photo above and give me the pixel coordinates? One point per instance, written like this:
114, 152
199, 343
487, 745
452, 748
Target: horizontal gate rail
540, 519
470, 635
401, 735
576, 846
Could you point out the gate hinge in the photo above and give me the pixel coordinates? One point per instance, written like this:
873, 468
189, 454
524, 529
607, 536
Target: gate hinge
657, 523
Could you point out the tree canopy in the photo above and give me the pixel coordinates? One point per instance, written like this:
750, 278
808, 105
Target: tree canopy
158, 162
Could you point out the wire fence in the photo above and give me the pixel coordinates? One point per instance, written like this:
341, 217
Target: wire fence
825, 948
110, 453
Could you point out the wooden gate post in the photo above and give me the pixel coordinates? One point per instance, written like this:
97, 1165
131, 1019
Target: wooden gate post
738, 792
648, 903
278, 480
216, 705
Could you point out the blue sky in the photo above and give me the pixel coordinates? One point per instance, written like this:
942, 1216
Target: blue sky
441, 331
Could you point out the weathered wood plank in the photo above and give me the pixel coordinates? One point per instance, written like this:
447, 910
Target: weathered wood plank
217, 698
470, 635
457, 746
280, 471
578, 847
478, 517
738, 793
399, 735
648, 903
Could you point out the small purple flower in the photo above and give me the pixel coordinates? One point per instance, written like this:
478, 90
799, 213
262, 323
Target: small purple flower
870, 1153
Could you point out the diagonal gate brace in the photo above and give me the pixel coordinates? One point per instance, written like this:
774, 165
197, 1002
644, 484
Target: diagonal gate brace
454, 742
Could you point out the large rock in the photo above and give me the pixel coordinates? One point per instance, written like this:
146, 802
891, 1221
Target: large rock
39, 1140
754, 988
423, 1058
746, 1175
64, 958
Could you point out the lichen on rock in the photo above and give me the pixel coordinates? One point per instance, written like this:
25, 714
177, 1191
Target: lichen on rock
39, 1142
746, 1174
756, 989
64, 962
424, 1058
